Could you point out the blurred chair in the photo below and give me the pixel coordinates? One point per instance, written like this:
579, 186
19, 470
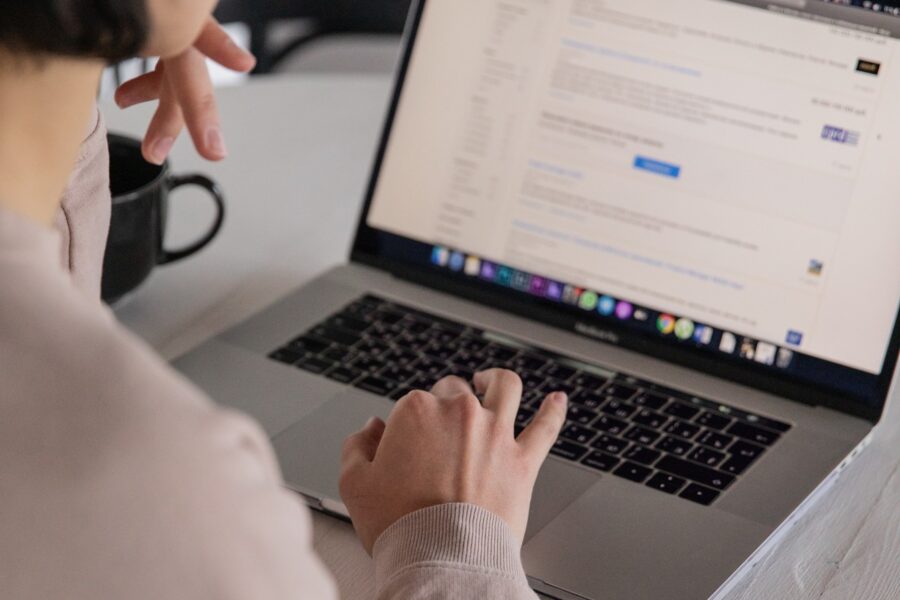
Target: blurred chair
325, 17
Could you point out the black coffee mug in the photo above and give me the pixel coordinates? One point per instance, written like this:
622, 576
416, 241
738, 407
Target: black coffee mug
140, 207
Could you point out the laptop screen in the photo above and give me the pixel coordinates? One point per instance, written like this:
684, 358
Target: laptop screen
712, 174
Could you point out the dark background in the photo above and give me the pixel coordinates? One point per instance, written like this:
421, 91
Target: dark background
325, 17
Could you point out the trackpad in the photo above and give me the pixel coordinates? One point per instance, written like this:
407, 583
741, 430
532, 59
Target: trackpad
310, 450
559, 485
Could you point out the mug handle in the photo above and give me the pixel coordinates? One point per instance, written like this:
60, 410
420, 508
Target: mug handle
177, 181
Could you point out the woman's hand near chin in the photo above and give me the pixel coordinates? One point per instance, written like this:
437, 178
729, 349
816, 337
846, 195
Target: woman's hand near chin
186, 97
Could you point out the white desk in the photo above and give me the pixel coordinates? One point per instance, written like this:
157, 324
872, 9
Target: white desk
300, 155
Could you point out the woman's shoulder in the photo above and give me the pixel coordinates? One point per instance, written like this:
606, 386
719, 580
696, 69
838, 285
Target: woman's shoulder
69, 366
107, 447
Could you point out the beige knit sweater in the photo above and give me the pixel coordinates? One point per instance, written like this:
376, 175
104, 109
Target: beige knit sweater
119, 479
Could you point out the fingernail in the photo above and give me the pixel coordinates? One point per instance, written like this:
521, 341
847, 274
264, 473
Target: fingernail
160, 150
215, 143
560, 398
370, 422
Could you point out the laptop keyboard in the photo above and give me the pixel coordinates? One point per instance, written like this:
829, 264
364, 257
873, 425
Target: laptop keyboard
639, 430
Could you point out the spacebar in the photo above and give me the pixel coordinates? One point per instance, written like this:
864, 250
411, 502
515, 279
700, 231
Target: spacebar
694, 472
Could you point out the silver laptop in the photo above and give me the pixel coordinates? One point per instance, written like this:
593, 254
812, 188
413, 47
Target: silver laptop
684, 214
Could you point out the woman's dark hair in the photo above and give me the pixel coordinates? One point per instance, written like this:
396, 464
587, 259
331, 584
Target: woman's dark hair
108, 29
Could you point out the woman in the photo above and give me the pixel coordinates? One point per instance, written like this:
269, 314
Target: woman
118, 479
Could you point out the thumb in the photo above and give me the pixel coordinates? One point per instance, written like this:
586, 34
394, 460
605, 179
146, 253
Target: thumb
361, 447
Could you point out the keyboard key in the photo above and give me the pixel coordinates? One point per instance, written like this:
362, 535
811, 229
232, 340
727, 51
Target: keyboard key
650, 400
389, 316
666, 483
440, 352
348, 322
360, 309
416, 327
337, 336
588, 381
559, 372
683, 429
601, 461
706, 456
580, 414
633, 472
314, 365
529, 363
377, 385
642, 435
736, 465
500, 353
719, 441
472, 344
694, 472
610, 425
650, 418
532, 381
681, 410
339, 354
468, 360
398, 373
287, 356
568, 450
524, 416
713, 420
675, 445
344, 374
579, 434
642, 455
620, 391
368, 363
754, 434
309, 345
619, 409
375, 347
429, 366
746, 450
534, 399
551, 386
699, 494
590, 401
770, 423
610, 444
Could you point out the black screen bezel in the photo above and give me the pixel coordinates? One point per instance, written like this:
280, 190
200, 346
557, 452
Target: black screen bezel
367, 250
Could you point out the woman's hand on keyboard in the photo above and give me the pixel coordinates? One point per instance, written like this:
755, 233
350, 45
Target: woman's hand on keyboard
445, 446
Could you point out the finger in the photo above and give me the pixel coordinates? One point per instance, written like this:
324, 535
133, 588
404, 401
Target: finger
189, 79
361, 447
164, 129
215, 43
541, 433
451, 387
141, 89
502, 391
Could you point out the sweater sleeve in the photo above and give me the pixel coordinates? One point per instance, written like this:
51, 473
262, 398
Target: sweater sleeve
83, 218
450, 551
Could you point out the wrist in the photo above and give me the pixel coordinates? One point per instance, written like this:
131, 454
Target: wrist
461, 535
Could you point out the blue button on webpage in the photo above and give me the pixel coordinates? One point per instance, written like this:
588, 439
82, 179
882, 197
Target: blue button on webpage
655, 166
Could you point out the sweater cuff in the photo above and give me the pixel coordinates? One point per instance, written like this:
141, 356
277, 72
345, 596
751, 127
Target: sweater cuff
455, 535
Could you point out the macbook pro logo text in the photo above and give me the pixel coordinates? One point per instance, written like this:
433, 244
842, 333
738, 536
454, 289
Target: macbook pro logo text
597, 333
